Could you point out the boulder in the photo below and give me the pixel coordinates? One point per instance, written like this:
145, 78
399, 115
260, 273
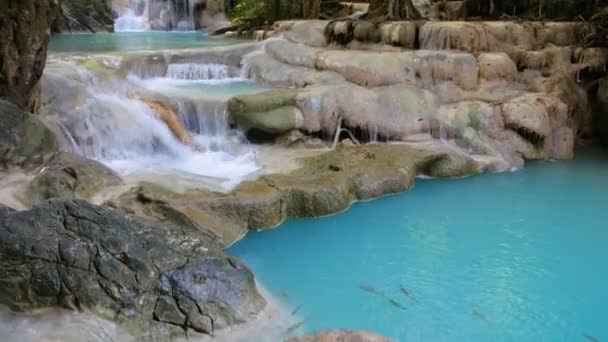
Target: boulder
76, 255
25, 30
66, 175
25, 140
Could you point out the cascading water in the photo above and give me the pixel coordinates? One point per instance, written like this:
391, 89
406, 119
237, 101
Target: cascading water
135, 132
140, 15
191, 71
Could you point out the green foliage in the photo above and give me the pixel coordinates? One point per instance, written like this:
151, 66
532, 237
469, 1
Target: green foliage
248, 10
264, 10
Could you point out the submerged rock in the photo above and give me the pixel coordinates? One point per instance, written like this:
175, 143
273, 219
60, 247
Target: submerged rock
66, 175
341, 336
76, 255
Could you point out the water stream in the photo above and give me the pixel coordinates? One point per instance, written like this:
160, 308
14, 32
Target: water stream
144, 124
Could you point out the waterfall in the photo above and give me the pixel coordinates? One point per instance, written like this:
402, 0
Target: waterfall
134, 131
190, 71
141, 15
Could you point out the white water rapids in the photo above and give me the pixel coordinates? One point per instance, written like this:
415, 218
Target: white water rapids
102, 119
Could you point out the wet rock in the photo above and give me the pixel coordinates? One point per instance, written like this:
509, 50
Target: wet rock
450, 165
146, 66
25, 30
66, 175
341, 336
323, 185
76, 255
25, 140
84, 16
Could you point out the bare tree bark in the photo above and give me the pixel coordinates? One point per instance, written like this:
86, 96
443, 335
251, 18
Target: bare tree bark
274, 10
393, 10
311, 9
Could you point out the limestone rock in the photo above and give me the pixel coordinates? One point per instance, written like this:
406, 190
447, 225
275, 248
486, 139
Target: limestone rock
293, 54
272, 112
497, 66
67, 175
73, 254
323, 185
264, 68
307, 32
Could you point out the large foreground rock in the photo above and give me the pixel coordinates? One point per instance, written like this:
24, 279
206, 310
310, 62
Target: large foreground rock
25, 30
76, 255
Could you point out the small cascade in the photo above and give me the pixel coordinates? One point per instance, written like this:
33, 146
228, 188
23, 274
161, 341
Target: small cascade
142, 15
435, 38
246, 64
191, 71
208, 122
133, 131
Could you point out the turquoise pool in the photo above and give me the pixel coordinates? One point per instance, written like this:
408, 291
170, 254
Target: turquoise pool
498, 257
134, 41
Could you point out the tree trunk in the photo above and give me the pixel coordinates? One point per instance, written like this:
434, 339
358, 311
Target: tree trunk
25, 27
311, 9
274, 10
393, 9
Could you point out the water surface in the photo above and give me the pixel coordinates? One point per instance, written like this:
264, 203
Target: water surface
499, 257
135, 41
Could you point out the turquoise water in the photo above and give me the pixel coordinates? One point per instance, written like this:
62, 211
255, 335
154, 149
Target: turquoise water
134, 41
207, 90
499, 257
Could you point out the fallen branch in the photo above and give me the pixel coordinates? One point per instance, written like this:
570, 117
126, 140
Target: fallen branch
339, 130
